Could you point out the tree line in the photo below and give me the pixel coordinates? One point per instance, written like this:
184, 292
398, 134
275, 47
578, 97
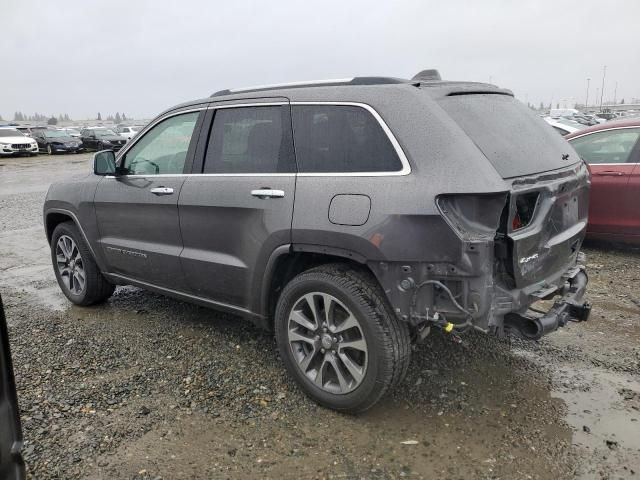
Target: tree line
38, 117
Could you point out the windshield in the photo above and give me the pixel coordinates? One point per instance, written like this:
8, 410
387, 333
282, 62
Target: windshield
10, 132
71, 131
54, 133
104, 133
513, 139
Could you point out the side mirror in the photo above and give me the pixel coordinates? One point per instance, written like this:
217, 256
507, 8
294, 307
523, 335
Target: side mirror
104, 163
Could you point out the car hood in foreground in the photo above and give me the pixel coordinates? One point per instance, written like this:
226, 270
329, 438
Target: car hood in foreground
16, 140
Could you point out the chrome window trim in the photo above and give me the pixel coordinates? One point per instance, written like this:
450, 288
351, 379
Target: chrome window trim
406, 166
405, 170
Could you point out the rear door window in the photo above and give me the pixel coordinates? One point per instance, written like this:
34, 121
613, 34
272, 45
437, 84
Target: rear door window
613, 146
516, 141
341, 138
250, 140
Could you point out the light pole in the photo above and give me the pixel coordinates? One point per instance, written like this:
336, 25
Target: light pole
604, 74
615, 94
586, 101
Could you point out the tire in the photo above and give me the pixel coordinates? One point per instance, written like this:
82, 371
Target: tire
49, 149
96, 288
380, 362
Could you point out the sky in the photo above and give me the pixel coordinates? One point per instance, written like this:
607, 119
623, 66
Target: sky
143, 56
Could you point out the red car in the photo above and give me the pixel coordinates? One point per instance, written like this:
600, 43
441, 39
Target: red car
612, 151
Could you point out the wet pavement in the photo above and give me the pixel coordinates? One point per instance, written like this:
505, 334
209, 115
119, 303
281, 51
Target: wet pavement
149, 387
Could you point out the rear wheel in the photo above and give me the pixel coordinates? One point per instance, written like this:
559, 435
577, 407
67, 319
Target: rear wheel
77, 273
49, 150
339, 339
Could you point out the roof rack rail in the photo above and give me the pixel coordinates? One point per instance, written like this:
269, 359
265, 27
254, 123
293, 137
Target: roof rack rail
315, 83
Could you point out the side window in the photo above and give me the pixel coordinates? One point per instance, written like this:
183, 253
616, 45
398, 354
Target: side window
250, 140
613, 146
163, 149
341, 138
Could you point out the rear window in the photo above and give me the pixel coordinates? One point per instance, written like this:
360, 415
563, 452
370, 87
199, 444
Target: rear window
514, 140
341, 138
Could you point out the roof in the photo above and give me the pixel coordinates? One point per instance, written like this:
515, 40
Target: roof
344, 90
634, 122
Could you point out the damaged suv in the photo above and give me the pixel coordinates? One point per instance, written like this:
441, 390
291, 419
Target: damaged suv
351, 217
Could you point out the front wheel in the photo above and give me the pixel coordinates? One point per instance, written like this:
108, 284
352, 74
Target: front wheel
49, 150
77, 273
339, 338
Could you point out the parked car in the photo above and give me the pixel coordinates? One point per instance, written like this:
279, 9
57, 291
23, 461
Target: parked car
406, 205
127, 131
562, 128
56, 141
14, 142
612, 151
25, 130
100, 138
606, 116
11, 441
72, 132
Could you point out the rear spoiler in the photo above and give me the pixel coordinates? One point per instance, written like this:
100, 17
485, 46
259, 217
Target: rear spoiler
11, 441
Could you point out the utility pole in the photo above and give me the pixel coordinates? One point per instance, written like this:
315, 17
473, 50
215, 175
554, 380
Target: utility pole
586, 101
615, 93
604, 74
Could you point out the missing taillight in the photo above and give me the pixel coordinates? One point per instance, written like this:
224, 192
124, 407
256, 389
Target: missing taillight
525, 210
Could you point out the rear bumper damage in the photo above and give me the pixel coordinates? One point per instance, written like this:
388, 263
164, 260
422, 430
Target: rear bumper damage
533, 324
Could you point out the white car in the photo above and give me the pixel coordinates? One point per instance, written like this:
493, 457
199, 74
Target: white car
563, 127
13, 142
127, 131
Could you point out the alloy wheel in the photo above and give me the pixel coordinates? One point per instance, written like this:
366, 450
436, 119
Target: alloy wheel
327, 342
70, 265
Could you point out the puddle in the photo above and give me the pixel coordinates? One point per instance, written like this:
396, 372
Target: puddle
603, 410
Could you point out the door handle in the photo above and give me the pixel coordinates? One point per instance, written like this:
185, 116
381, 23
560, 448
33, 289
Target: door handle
162, 191
264, 193
609, 173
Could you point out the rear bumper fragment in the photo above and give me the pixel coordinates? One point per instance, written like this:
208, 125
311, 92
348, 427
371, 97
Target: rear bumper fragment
568, 308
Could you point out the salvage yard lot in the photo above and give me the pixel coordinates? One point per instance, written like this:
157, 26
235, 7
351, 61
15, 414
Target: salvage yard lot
146, 387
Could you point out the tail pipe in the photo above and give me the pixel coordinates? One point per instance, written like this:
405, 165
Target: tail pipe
569, 308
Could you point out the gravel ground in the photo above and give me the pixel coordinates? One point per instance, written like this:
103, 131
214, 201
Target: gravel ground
146, 387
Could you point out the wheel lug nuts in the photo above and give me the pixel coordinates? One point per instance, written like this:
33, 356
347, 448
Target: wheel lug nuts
322, 350
335, 340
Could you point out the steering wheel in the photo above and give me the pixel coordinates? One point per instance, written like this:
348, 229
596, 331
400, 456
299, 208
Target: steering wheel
143, 160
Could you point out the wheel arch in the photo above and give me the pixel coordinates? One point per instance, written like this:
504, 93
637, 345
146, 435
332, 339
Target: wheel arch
288, 261
54, 217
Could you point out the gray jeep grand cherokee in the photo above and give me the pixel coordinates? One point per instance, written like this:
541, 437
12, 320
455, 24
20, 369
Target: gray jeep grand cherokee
351, 217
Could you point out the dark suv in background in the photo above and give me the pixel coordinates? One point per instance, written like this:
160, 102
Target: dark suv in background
351, 217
